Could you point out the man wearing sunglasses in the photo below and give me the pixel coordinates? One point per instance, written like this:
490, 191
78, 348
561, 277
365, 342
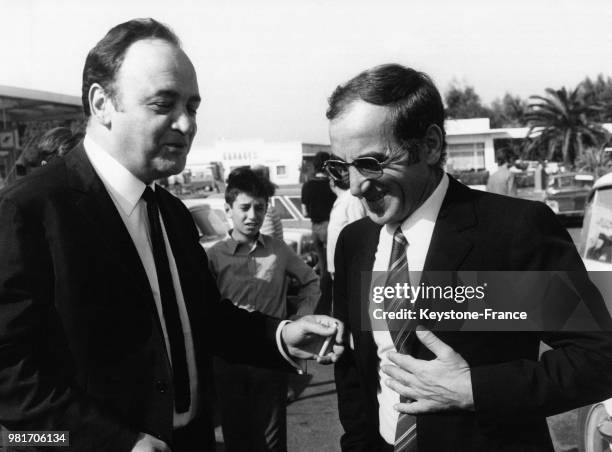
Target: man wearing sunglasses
452, 390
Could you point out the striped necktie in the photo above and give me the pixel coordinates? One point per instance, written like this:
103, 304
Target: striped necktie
405, 431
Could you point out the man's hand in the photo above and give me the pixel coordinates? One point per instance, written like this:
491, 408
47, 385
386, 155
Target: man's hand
148, 443
441, 384
305, 336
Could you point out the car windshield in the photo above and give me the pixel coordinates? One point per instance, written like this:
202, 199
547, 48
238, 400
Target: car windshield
281, 209
212, 223
597, 228
296, 201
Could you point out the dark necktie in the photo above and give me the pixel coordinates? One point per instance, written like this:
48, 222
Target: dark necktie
405, 431
169, 306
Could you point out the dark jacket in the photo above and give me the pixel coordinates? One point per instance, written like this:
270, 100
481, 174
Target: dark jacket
513, 391
81, 348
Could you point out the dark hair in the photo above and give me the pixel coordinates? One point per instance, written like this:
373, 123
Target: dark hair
244, 180
319, 159
264, 174
46, 146
413, 100
504, 155
105, 59
341, 184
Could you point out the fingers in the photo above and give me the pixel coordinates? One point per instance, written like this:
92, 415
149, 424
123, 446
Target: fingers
331, 357
406, 362
317, 328
400, 374
321, 325
405, 391
431, 341
416, 407
330, 323
327, 359
339, 331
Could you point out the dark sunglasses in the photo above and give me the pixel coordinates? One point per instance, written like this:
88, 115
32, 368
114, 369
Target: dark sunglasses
369, 167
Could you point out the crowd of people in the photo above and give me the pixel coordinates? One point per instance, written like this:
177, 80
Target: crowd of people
116, 326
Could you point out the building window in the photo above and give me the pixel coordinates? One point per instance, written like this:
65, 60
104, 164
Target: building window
465, 156
281, 170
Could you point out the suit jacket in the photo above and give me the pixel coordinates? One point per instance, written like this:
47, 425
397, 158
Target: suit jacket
81, 347
513, 391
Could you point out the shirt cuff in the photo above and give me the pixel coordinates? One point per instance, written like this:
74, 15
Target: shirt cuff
300, 365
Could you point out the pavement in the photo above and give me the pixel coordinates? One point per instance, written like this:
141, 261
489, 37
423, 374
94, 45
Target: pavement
312, 419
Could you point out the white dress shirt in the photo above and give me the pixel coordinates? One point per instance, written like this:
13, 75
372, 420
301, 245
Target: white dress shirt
126, 191
418, 229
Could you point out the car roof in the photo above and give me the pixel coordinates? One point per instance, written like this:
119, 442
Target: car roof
215, 203
603, 181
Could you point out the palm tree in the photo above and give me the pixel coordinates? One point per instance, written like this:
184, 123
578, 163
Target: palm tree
564, 121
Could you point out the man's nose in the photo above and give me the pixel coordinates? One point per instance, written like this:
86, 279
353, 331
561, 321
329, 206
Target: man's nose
358, 184
184, 122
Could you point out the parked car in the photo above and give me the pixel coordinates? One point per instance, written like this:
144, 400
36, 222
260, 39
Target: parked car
566, 193
595, 247
210, 218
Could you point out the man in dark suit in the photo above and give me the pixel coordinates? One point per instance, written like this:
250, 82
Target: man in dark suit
452, 390
108, 314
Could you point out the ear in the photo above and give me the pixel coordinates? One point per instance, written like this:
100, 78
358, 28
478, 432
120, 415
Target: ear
228, 210
100, 104
434, 140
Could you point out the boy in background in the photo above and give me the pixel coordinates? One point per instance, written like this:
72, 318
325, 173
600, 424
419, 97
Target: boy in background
251, 270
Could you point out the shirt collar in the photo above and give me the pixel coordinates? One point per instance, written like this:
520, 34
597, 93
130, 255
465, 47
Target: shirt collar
232, 244
426, 213
125, 188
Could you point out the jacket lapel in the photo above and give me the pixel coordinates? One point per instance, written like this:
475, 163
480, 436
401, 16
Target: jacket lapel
449, 244
107, 227
366, 243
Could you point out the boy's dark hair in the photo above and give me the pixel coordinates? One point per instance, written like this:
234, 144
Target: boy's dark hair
244, 180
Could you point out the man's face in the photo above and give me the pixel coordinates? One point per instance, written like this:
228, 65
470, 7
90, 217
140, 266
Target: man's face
247, 213
359, 132
153, 116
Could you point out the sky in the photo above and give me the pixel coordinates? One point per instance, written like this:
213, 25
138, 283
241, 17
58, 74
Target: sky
266, 67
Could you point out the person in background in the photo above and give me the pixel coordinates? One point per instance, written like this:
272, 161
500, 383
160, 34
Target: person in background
347, 208
317, 202
251, 269
272, 224
502, 181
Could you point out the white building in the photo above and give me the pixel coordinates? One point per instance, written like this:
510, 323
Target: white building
283, 159
471, 143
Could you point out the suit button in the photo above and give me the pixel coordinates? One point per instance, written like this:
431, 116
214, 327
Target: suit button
161, 386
